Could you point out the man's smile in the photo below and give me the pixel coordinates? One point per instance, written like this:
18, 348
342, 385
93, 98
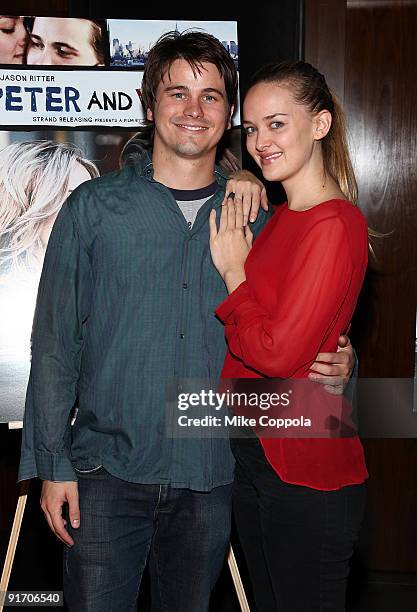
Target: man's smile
192, 128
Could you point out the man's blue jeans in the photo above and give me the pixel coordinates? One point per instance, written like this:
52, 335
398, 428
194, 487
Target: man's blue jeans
184, 534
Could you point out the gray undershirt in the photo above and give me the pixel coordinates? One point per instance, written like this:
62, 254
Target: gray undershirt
191, 200
190, 209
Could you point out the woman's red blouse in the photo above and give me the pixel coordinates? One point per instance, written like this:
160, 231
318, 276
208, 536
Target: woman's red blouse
303, 277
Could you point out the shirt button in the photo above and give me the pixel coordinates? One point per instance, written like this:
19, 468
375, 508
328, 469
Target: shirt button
182, 336
185, 285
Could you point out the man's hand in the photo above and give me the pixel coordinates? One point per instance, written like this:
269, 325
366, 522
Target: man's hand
250, 191
334, 369
53, 497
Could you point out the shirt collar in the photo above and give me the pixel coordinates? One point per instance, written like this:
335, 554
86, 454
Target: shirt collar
144, 168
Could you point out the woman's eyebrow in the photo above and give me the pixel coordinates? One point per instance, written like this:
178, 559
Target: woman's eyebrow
267, 117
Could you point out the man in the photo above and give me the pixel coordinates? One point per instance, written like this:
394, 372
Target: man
66, 41
126, 306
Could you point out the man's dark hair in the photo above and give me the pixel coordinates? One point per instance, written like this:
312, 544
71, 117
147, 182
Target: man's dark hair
136, 147
99, 40
193, 47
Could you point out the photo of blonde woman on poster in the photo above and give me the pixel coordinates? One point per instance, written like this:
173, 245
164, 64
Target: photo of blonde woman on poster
36, 177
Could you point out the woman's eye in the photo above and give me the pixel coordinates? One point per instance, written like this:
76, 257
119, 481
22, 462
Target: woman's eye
249, 130
276, 125
8, 30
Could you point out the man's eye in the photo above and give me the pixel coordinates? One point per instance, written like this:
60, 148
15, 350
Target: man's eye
8, 30
35, 43
209, 98
178, 95
63, 52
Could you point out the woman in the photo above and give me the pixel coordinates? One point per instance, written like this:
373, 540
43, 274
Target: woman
13, 38
67, 41
298, 502
36, 177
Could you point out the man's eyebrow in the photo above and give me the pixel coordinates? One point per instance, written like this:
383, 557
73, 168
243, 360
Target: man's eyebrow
63, 44
184, 88
56, 43
213, 89
172, 87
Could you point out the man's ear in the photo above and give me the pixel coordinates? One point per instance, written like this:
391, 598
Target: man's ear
229, 121
149, 115
321, 124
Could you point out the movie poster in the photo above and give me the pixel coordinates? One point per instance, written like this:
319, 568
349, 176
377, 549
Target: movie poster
70, 111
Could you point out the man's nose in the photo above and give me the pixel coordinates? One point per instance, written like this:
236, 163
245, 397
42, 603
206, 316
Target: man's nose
193, 108
43, 57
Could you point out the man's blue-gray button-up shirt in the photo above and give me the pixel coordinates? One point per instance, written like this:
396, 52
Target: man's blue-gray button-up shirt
125, 305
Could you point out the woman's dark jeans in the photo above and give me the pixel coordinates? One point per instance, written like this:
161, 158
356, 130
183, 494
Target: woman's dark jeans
184, 533
297, 541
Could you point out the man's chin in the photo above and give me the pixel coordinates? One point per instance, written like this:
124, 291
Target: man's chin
190, 149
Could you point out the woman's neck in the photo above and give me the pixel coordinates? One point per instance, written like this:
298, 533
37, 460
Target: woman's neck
308, 189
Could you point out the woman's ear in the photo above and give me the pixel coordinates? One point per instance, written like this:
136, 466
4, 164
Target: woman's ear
149, 115
321, 124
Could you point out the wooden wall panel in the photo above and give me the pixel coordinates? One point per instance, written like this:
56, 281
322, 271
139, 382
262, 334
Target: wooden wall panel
323, 50
379, 88
380, 95
391, 524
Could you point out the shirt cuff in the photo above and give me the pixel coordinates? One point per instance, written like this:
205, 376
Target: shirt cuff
225, 310
54, 466
27, 467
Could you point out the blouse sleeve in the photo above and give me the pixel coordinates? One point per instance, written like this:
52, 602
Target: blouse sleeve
280, 340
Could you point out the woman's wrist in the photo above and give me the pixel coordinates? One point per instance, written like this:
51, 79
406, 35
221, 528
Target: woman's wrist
234, 278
